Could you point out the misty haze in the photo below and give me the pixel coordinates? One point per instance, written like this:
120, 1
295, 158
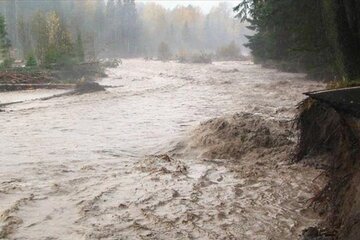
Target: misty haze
125, 119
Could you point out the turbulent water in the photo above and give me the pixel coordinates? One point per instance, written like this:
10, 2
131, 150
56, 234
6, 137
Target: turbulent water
90, 166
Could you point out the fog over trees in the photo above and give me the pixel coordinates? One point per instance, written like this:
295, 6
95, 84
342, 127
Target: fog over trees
321, 38
91, 29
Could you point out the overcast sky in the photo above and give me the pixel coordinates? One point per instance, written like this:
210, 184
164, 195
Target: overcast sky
205, 5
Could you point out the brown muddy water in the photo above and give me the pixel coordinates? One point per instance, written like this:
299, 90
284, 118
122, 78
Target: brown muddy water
85, 166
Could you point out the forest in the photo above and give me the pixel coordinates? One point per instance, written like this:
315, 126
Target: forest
45, 32
320, 37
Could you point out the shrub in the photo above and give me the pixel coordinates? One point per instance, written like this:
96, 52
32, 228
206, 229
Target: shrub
185, 57
229, 52
182, 56
6, 63
164, 52
201, 58
31, 61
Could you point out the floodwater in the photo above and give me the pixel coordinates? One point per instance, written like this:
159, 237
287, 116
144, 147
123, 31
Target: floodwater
90, 166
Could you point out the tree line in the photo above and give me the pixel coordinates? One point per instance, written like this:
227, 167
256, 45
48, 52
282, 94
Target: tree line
321, 37
68, 31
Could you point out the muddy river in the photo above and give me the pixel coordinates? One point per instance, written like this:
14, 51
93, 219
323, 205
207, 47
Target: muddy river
94, 166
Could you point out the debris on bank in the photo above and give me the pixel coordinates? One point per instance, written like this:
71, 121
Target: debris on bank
54, 77
16, 76
330, 129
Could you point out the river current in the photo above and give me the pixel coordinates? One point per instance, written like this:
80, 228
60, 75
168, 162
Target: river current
90, 166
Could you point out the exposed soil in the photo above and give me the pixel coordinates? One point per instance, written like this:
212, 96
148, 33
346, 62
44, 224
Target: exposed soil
330, 139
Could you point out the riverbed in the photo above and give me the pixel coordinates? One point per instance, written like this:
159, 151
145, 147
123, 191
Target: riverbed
93, 166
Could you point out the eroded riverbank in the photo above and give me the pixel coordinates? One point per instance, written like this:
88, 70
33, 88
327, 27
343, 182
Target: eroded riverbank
88, 167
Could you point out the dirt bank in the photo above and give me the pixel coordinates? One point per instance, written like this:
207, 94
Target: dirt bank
330, 139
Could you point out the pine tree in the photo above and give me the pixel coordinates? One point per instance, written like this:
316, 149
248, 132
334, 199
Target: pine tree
53, 40
39, 30
79, 48
320, 37
110, 9
130, 28
24, 37
31, 60
185, 33
4, 44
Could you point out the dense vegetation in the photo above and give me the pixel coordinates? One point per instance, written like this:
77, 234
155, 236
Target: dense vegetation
321, 37
48, 32
4, 45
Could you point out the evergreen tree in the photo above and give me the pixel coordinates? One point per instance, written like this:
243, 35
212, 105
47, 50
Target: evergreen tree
320, 37
60, 46
99, 20
24, 36
130, 28
110, 9
4, 44
39, 31
79, 48
185, 33
11, 19
31, 60
53, 40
